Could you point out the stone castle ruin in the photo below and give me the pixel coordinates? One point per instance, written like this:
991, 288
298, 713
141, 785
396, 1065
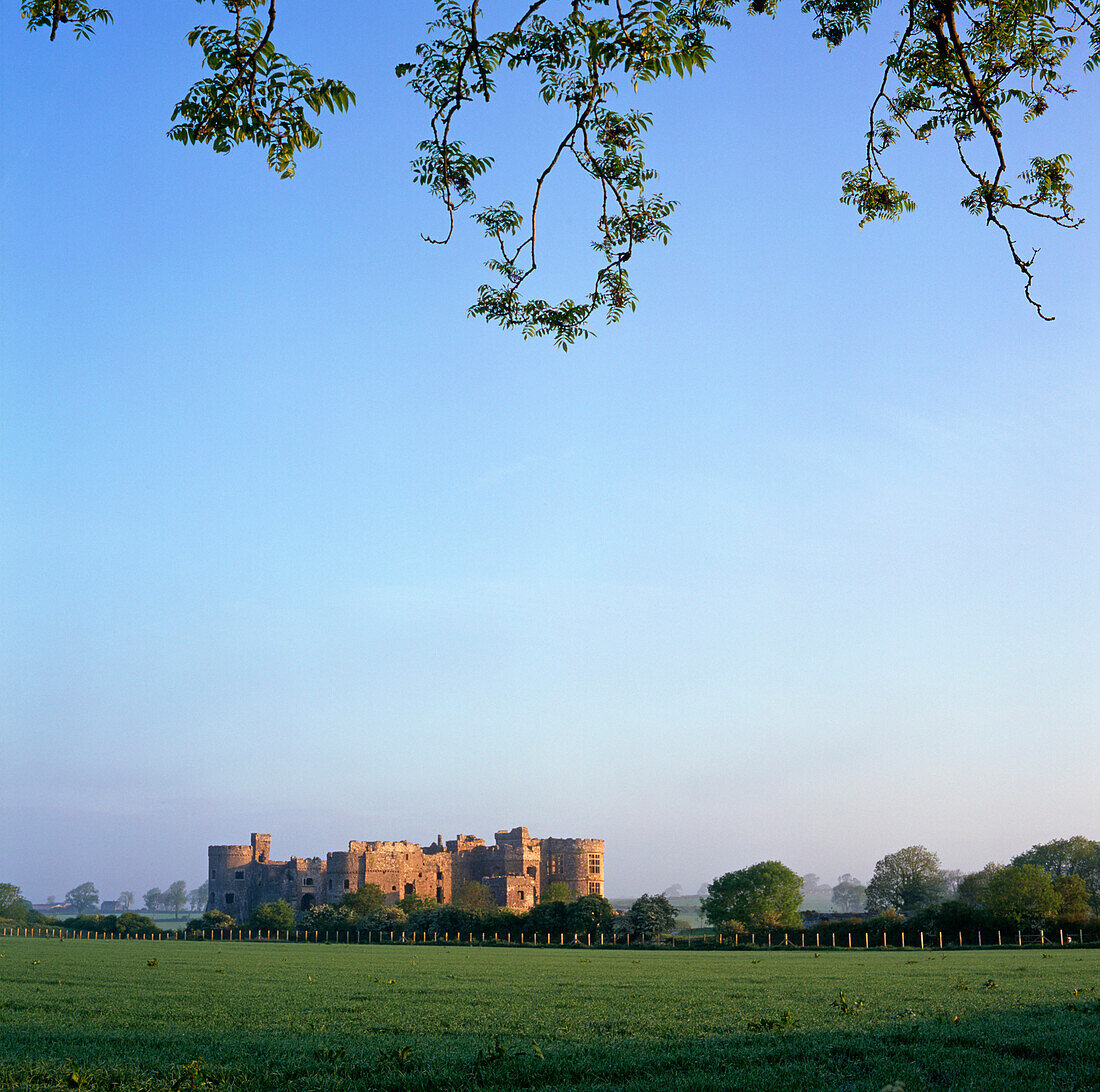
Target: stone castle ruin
516, 868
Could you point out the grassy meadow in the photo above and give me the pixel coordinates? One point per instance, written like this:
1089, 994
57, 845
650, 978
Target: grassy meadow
141, 1014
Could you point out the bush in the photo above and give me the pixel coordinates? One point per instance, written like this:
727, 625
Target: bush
212, 919
130, 922
272, 915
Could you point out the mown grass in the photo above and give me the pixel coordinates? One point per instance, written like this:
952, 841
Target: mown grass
97, 1015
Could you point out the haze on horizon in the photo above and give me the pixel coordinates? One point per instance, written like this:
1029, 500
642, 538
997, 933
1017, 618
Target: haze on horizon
796, 562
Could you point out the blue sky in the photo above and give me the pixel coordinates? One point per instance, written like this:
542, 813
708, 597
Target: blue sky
797, 562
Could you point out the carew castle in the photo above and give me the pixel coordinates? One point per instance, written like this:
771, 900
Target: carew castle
516, 868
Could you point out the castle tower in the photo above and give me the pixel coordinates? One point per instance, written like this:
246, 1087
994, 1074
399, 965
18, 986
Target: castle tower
230, 869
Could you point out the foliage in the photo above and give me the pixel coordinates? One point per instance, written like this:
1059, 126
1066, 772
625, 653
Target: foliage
651, 914
1023, 895
966, 71
971, 888
906, 881
212, 919
547, 917
366, 900
83, 899
125, 900
474, 896
765, 894
448, 920
12, 903
199, 896
124, 924
175, 898
558, 891
1073, 896
384, 919
53, 13
849, 895
589, 915
130, 922
1076, 856
254, 93
272, 915
153, 899
414, 902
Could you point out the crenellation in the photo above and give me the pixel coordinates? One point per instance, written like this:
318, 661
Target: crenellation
516, 868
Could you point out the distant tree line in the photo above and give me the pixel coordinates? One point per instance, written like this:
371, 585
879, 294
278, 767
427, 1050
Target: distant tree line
83, 902
1053, 883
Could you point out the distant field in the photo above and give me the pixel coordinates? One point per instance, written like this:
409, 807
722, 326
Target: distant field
96, 1015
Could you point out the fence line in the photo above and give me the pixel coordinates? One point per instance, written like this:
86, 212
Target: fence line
901, 940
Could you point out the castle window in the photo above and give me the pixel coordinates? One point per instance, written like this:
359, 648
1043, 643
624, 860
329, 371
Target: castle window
228, 897
347, 885
554, 866
594, 887
239, 875
594, 866
308, 881
213, 873
330, 883
522, 896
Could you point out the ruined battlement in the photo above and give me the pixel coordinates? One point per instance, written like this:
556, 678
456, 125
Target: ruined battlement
516, 869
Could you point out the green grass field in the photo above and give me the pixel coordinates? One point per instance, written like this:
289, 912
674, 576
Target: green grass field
97, 1015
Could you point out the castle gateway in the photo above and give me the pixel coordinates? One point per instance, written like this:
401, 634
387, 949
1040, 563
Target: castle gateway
515, 869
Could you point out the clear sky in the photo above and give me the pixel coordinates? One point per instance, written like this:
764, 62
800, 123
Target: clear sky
797, 562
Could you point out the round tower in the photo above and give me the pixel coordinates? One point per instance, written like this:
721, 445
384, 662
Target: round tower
229, 879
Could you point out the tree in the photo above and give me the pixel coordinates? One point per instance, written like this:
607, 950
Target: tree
589, 915
410, 904
153, 899
652, 914
1023, 895
1073, 896
12, 904
956, 68
558, 891
125, 900
849, 894
366, 900
971, 888
905, 881
767, 894
175, 898
199, 896
83, 899
474, 896
1076, 856
273, 915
